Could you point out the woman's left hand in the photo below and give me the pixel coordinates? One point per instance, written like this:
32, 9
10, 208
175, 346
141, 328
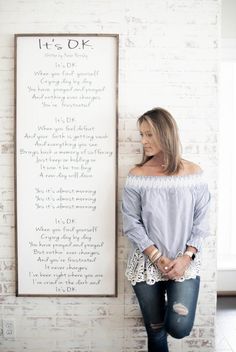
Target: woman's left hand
177, 267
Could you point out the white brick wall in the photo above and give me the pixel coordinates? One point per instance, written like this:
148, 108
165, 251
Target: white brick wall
168, 58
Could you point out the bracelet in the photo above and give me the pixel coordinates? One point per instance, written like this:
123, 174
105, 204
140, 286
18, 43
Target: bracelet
153, 253
156, 257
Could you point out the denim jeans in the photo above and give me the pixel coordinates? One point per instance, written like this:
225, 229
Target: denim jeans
168, 307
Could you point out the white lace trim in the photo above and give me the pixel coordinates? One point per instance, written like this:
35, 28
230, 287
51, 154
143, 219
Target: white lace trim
140, 268
165, 181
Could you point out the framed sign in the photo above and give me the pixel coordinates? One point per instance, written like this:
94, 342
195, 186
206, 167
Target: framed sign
66, 89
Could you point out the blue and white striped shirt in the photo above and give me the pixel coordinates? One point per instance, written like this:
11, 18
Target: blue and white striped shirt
168, 211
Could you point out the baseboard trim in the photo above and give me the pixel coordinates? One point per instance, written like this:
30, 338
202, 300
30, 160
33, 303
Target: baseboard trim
226, 293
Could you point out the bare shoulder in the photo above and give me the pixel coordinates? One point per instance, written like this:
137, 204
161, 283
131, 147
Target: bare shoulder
136, 171
190, 167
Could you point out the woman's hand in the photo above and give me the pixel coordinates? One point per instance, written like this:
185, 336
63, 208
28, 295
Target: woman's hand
163, 264
177, 267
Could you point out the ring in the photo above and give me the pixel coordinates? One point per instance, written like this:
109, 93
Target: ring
166, 267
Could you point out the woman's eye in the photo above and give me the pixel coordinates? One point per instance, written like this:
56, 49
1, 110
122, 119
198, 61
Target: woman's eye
146, 135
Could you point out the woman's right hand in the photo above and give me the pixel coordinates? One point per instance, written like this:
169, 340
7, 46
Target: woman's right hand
163, 264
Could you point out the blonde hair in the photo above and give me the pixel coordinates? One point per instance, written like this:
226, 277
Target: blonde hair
166, 132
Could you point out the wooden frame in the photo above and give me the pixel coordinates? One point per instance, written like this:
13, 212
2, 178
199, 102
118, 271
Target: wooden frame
66, 107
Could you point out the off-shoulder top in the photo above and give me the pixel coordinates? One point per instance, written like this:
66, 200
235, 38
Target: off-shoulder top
170, 212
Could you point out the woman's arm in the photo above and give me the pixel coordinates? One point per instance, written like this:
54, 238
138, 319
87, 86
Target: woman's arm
199, 232
132, 221
200, 227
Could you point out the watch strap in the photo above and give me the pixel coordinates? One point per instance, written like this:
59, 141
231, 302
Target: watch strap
190, 254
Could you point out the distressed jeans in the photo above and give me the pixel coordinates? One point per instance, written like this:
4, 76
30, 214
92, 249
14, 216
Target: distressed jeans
168, 307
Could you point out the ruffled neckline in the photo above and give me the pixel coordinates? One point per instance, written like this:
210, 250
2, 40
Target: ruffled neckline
165, 181
197, 174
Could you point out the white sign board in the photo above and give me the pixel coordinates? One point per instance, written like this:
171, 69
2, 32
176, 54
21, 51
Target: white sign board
66, 164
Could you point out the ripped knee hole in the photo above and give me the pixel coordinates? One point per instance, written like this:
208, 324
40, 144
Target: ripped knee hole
180, 309
156, 326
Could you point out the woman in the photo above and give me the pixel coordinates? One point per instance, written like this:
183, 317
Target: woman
165, 205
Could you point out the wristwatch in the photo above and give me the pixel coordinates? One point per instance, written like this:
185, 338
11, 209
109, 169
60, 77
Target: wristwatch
190, 254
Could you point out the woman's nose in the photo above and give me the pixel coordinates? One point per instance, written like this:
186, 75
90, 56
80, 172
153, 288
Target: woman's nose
143, 140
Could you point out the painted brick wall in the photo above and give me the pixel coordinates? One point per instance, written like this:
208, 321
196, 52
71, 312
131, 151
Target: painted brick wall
168, 58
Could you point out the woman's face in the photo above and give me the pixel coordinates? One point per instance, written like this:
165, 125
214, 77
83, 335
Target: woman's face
149, 140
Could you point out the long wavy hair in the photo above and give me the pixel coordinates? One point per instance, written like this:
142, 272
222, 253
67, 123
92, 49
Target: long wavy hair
165, 130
